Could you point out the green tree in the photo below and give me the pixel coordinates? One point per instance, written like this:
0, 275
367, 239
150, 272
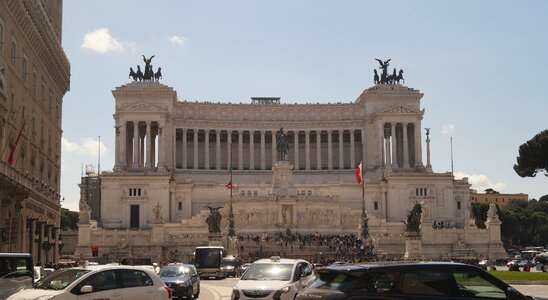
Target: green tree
533, 156
544, 198
479, 211
69, 219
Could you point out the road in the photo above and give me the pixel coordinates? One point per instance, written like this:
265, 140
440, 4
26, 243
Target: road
222, 289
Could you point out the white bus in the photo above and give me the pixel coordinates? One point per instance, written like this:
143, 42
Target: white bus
207, 260
16, 273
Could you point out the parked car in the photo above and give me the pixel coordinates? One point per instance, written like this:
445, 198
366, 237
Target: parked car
232, 266
183, 279
520, 263
485, 264
274, 278
107, 282
390, 281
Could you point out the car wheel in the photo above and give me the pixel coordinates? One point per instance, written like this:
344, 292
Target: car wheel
197, 293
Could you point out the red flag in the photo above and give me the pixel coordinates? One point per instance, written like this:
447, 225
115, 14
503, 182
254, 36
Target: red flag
359, 173
12, 150
229, 185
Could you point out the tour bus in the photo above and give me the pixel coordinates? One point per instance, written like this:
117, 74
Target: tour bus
16, 273
541, 261
207, 260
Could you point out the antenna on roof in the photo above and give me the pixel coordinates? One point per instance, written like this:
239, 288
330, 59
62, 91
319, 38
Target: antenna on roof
99, 159
452, 173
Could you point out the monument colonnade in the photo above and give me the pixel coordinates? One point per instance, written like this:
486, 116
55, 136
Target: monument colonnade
140, 145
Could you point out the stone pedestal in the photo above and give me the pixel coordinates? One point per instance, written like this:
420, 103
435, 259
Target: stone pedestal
215, 239
232, 245
158, 234
282, 180
413, 245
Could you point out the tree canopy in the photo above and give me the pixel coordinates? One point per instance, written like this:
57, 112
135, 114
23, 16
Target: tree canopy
533, 156
69, 219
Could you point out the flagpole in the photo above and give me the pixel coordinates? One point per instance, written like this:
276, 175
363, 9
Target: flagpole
231, 231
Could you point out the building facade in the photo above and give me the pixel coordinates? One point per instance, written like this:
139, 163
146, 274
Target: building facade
173, 157
34, 77
502, 200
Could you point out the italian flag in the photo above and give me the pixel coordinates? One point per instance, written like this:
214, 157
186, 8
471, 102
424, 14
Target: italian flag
229, 184
359, 173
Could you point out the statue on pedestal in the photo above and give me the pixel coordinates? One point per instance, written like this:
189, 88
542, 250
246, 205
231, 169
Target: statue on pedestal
282, 145
214, 219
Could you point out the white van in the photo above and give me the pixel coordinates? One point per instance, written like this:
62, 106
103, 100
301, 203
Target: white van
273, 278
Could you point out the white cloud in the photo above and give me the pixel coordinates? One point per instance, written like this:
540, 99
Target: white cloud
101, 41
448, 128
481, 182
89, 147
177, 40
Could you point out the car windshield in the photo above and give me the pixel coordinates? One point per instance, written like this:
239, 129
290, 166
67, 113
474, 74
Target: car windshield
60, 279
280, 272
175, 271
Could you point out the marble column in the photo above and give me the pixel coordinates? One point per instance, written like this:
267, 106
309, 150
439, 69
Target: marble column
240, 150
296, 146
353, 163
148, 144
274, 156
185, 149
341, 150
206, 144
135, 144
307, 148
142, 149
319, 149
388, 161
418, 145
161, 146
365, 161
228, 149
195, 166
329, 150
262, 150
381, 142
251, 149
394, 146
218, 149
405, 146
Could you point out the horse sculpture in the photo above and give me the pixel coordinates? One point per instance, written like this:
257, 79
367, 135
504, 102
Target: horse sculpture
158, 74
132, 74
139, 73
400, 77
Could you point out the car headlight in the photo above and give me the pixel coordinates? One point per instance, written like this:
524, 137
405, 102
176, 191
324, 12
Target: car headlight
281, 292
47, 297
229, 267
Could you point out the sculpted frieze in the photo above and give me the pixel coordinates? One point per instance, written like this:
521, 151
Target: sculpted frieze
141, 107
245, 217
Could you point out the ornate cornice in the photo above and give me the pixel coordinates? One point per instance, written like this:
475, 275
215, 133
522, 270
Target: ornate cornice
38, 31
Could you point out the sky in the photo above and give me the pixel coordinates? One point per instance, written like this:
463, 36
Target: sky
480, 65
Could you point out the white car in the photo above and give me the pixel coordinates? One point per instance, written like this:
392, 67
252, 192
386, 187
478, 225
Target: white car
107, 282
274, 278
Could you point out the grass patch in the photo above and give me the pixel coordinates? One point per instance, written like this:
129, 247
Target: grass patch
520, 276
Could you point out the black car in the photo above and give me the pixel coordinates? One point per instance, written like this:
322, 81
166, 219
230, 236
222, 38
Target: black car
182, 279
427, 280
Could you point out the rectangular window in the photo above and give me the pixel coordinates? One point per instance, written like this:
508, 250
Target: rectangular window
24, 68
180, 206
242, 193
458, 204
33, 87
309, 193
249, 193
13, 53
376, 205
255, 193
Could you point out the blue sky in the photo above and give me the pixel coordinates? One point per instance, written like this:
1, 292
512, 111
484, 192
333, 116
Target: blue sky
480, 64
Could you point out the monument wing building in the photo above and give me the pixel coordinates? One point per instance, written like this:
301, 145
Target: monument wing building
173, 158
